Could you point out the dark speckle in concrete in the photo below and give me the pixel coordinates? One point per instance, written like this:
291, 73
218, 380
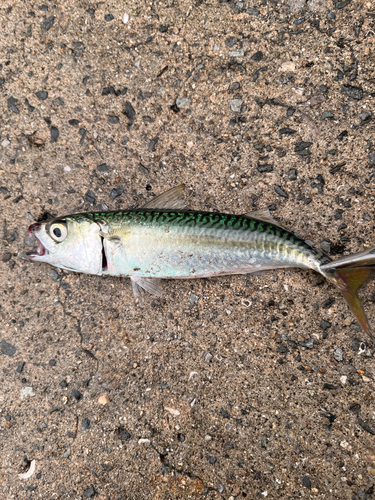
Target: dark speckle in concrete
7, 348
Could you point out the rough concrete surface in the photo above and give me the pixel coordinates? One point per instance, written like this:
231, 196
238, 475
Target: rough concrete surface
225, 388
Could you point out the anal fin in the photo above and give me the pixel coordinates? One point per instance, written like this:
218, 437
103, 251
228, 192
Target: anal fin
150, 285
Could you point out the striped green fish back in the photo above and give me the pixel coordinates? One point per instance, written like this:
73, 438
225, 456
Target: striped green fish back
196, 219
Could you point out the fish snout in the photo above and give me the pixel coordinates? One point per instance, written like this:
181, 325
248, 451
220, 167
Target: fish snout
34, 227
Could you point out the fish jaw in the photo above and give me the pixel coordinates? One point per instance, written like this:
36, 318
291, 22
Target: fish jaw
39, 250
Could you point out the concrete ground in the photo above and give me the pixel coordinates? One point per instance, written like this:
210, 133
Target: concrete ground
226, 388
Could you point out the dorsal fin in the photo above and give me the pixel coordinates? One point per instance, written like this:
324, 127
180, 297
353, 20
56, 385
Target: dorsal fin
264, 215
173, 198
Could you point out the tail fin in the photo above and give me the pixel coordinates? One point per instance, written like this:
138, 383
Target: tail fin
349, 274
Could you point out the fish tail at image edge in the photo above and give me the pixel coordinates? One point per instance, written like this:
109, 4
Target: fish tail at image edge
350, 274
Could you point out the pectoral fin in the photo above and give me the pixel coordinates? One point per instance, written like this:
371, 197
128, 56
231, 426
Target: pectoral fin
150, 285
173, 198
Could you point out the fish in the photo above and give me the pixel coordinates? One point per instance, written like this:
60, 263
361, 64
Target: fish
164, 240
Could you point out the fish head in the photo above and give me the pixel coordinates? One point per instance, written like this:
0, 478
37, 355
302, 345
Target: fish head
71, 243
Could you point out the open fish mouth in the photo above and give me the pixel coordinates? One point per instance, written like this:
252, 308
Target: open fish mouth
31, 239
37, 251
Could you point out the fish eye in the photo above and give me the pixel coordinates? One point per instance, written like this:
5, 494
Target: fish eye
58, 232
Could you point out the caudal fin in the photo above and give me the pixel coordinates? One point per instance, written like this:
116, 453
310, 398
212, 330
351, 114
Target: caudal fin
349, 274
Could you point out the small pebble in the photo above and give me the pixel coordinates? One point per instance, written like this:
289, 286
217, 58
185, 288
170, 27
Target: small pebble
281, 192
235, 105
85, 424
89, 492
48, 23
116, 192
353, 92
265, 168
76, 394
55, 275
338, 354
193, 299
103, 400
237, 53
231, 41
103, 167
208, 357
129, 112
224, 413
292, 174
124, 435
90, 197
306, 482
113, 119
6, 257
41, 95
54, 134
29, 106
340, 5
234, 86
26, 392
153, 142
20, 366
308, 343
324, 325
7, 349
182, 102
341, 136
365, 426
67, 452
258, 56
287, 131
12, 101
302, 148
365, 116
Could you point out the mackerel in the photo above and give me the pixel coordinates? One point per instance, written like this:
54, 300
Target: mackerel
164, 240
